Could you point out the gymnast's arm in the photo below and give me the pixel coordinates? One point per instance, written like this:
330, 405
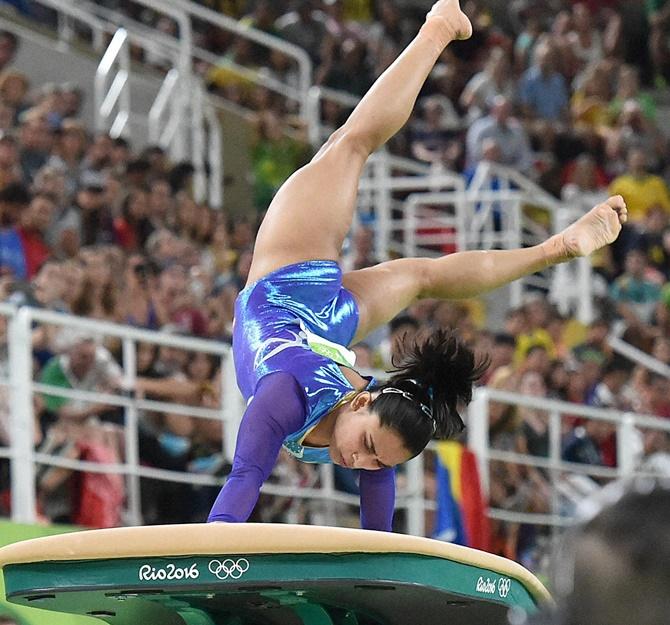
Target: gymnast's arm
277, 410
377, 499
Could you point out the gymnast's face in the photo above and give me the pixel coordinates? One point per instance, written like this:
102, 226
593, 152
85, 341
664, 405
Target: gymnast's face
359, 441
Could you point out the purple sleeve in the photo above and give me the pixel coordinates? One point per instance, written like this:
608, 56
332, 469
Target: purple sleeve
277, 410
377, 499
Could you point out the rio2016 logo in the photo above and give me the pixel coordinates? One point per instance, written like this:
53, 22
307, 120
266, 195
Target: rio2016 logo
168, 572
489, 586
229, 568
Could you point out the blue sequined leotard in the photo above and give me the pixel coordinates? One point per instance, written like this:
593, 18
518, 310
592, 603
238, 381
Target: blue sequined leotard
290, 383
270, 318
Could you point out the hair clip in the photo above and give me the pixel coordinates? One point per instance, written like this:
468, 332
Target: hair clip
425, 409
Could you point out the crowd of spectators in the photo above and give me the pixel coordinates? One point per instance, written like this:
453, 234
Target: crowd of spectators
565, 92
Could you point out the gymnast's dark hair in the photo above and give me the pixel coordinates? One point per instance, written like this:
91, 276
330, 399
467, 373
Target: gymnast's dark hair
433, 376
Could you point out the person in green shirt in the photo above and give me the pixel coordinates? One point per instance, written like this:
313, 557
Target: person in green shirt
83, 366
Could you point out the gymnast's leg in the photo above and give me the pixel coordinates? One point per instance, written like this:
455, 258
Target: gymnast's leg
312, 212
386, 289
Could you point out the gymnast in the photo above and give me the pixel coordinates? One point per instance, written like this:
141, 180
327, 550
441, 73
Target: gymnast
298, 313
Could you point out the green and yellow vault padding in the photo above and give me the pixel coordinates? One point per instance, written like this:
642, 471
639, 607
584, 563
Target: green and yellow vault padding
255, 574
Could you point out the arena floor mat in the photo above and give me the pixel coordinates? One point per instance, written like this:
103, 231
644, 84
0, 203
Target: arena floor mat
262, 574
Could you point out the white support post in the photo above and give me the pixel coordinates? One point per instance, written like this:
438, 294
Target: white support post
132, 446
327, 475
383, 205
232, 406
478, 435
21, 418
516, 287
584, 290
215, 157
626, 448
416, 508
198, 141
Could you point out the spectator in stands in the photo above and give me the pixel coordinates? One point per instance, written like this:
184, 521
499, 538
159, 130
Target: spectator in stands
14, 87
494, 80
628, 89
607, 393
543, 93
35, 140
633, 131
303, 27
83, 365
653, 238
656, 453
658, 14
14, 199
275, 156
49, 289
174, 303
595, 346
93, 211
506, 131
161, 204
501, 355
363, 242
537, 315
434, 134
139, 285
527, 39
585, 39
634, 294
656, 399
101, 290
590, 105
640, 188
10, 168
344, 66
132, 227
387, 35
34, 223
584, 444
69, 149
585, 183
9, 44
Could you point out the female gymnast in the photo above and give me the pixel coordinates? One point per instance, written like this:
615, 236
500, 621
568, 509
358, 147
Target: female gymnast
298, 312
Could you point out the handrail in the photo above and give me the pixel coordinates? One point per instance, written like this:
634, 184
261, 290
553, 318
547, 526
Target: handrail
107, 98
637, 355
228, 23
120, 331
164, 98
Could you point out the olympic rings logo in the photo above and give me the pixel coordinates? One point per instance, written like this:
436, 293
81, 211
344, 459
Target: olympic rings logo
504, 585
229, 568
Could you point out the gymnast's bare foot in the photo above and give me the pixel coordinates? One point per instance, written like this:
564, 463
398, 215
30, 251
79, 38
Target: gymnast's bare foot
449, 12
599, 227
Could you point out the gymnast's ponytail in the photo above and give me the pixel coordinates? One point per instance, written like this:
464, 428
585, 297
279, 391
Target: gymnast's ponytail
432, 377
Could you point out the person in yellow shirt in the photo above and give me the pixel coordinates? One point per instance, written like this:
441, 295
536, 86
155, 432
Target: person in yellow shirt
640, 189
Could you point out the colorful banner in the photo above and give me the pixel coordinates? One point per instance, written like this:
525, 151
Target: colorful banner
461, 511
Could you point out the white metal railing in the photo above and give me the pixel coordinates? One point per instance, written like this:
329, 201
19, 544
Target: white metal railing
186, 12
112, 99
626, 424
636, 355
438, 214
24, 458
192, 130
